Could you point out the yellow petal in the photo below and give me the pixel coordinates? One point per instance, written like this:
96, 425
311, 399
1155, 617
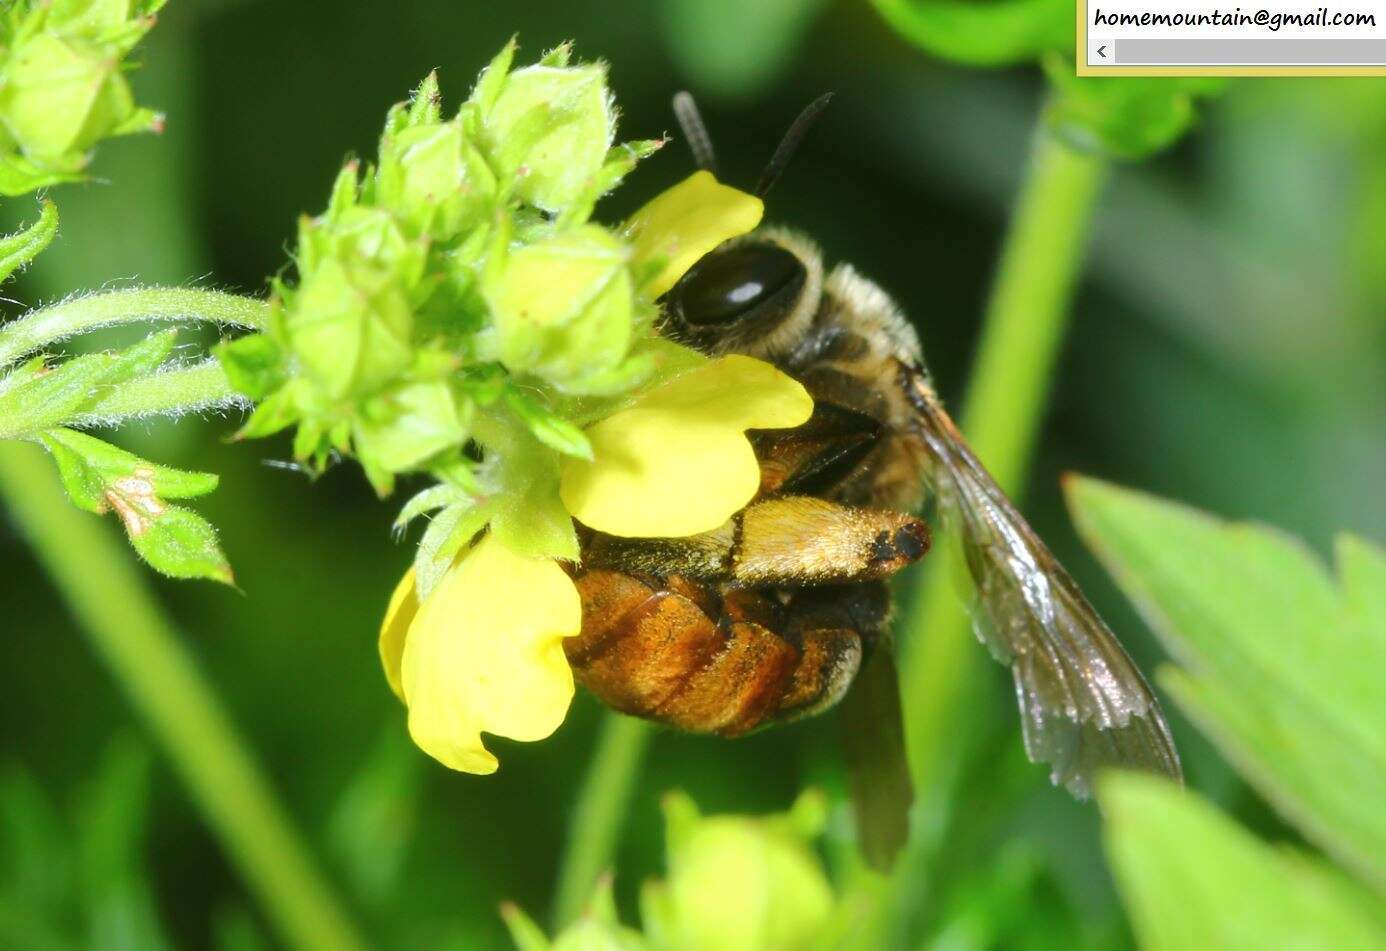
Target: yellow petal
404, 605
685, 222
486, 654
677, 462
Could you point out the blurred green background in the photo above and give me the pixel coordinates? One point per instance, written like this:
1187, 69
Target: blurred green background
1226, 351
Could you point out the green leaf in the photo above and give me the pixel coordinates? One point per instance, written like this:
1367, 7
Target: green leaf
255, 364
35, 856
100, 478
739, 63
121, 913
177, 542
1193, 879
88, 466
524, 931
1126, 117
550, 429
372, 824
988, 33
18, 249
52, 396
430, 499
1282, 668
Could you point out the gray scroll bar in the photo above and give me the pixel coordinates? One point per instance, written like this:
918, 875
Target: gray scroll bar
1290, 51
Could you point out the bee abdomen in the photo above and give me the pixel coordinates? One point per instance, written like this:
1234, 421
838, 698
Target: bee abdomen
653, 649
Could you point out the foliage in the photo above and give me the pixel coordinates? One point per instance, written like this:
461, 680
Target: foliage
79, 879
733, 881
1283, 669
1212, 355
63, 85
1118, 117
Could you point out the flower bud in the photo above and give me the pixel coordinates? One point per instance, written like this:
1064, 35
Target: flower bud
62, 96
562, 307
740, 882
350, 327
423, 176
551, 126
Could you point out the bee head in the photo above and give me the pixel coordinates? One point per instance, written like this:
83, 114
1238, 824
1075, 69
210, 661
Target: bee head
752, 295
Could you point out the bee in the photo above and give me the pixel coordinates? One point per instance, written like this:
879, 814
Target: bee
784, 611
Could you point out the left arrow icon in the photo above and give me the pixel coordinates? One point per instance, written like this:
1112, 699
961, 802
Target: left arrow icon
1102, 51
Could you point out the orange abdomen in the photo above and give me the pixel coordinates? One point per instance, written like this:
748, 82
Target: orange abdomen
700, 659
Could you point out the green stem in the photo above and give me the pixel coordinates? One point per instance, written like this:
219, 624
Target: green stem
111, 599
601, 809
189, 389
1022, 331
48, 325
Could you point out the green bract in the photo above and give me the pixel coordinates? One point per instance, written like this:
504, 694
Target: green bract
1124, 117
455, 312
741, 882
752, 883
63, 85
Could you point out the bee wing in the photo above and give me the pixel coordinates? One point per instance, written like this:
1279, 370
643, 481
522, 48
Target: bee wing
873, 738
1084, 705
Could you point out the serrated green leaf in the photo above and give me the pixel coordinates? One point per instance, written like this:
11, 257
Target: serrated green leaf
17, 250
275, 413
175, 541
991, 33
89, 466
1277, 666
54, 396
1193, 879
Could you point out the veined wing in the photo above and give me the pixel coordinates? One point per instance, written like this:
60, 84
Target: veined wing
1084, 705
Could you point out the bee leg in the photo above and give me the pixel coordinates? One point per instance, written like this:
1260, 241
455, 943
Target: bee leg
872, 725
873, 745
828, 661
808, 459
799, 540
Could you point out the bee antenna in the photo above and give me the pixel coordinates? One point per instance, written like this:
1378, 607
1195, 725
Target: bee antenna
695, 131
791, 142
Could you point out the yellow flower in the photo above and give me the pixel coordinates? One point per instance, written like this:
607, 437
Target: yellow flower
676, 461
685, 222
484, 650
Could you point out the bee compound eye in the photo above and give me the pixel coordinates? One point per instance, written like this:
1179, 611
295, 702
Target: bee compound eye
728, 286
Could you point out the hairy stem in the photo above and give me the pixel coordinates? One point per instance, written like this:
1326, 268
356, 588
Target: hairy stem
601, 807
173, 392
1022, 331
48, 325
106, 591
